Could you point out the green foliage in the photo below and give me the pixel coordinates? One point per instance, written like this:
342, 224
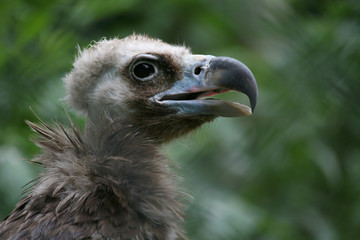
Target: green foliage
290, 171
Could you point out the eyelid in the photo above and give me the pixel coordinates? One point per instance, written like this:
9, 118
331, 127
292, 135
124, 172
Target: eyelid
146, 56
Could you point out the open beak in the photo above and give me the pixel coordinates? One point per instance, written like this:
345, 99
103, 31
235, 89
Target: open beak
205, 76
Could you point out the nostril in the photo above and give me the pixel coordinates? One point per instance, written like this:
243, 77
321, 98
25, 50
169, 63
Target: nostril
197, 70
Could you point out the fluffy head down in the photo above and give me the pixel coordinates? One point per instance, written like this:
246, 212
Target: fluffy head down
100, 74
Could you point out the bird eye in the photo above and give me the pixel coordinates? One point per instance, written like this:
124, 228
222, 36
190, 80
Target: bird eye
143, 70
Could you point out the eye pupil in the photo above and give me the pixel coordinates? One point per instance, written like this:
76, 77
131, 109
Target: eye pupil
143, 70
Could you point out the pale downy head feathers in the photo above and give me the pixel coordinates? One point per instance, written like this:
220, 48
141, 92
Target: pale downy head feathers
99, 80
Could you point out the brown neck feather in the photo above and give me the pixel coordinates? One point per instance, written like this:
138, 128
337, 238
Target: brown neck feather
109, 179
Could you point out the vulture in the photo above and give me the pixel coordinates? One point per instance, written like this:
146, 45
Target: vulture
109, 179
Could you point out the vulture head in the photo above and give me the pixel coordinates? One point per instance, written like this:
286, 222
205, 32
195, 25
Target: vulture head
157, 87
109, 181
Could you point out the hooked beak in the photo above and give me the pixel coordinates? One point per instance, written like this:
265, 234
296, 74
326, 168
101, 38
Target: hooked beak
205, 76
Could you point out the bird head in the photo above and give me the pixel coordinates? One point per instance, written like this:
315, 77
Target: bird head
155, 87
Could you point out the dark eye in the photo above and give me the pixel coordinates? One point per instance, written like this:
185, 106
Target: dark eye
143, 70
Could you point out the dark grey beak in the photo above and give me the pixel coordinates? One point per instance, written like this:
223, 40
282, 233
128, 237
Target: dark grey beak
205, 76
228, 73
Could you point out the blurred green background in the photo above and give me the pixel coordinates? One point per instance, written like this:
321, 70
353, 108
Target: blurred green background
290, 171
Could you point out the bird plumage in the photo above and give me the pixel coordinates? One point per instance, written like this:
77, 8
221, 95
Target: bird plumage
110, 180
126, 193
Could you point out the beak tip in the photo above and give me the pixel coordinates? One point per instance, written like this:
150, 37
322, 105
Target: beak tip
253, 97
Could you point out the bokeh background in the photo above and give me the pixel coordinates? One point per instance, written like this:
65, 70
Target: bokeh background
290, 171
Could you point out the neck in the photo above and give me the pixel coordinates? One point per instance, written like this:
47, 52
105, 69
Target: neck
131, 164
116, 166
